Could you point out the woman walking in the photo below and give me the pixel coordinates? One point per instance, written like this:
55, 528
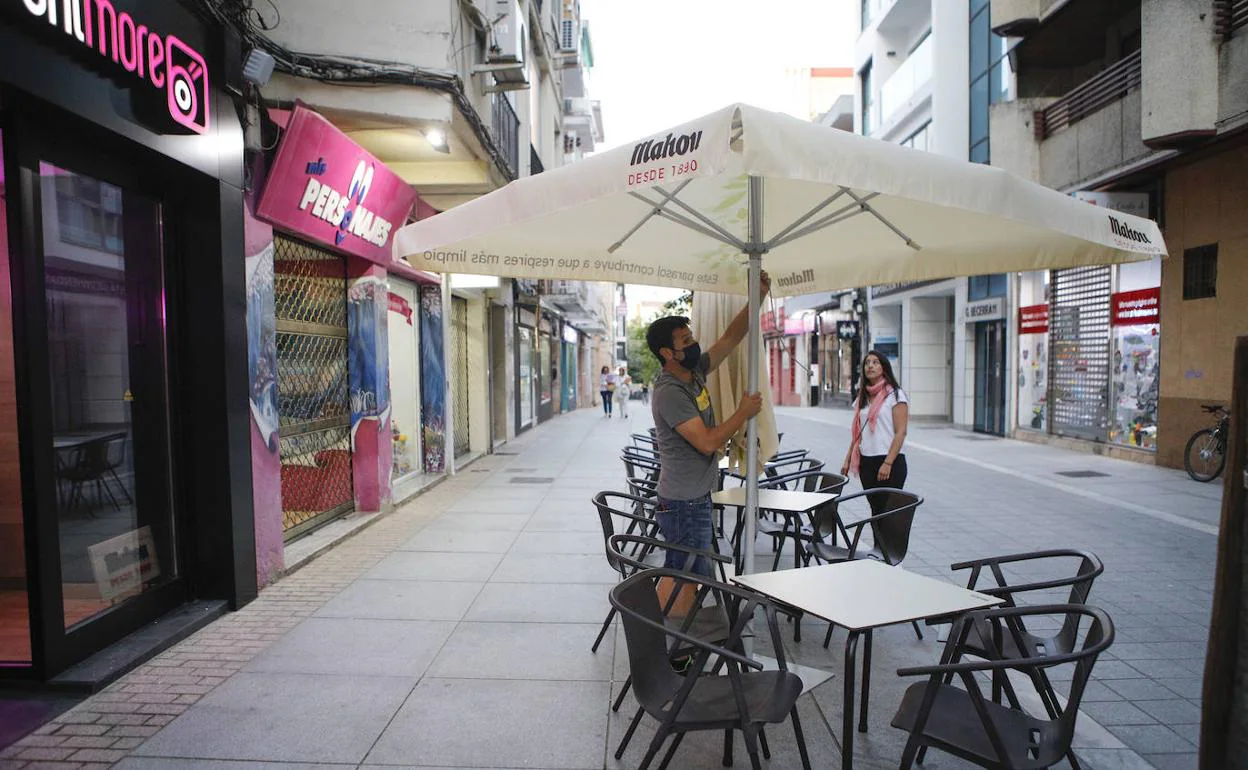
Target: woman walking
623, 391
879, 432
606, 387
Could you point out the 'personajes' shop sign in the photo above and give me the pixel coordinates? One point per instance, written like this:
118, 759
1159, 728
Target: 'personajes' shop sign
324, 186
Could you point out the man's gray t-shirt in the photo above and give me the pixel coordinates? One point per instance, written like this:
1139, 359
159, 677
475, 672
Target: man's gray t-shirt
686, 473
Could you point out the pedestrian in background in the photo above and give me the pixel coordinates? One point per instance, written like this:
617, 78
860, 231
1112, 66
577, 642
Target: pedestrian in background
623, 391
606, 386
645, 393
881, 415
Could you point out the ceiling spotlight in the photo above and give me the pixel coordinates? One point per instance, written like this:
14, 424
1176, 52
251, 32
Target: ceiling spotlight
437, 139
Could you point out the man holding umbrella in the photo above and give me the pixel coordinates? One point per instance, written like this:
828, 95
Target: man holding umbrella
688, 438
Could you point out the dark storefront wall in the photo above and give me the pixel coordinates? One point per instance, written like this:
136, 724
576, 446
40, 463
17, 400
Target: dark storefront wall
166, 433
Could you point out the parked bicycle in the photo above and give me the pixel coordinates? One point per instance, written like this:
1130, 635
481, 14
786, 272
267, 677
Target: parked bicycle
1205, 455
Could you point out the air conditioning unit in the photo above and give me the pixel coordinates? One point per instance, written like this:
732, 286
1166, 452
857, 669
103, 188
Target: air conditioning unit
570, 27
507, 34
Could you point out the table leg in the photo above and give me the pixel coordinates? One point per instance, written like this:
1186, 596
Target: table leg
866, 682
847, 721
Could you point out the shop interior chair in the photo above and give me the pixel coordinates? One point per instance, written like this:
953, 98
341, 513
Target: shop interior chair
1030, 642
708, 623
95, 463
890, 528
747, 698
639, 513
963, 722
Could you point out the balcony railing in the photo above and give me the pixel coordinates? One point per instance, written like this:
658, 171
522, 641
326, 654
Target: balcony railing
1229, 16
506, 132
1105, 88
535, 162
913, 74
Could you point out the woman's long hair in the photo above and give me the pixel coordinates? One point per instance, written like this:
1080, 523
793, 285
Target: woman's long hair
886, 369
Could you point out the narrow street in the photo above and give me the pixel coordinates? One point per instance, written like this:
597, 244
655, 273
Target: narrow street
455, 632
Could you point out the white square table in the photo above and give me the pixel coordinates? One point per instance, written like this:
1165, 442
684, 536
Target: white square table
861, 596
782, 500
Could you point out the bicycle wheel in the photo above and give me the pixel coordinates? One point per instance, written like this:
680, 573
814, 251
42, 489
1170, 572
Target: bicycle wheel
1203, 458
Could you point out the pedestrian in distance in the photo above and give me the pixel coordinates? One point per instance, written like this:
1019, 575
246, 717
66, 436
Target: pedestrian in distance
881, 416
606, 387
645, 393
623, 391
688, 436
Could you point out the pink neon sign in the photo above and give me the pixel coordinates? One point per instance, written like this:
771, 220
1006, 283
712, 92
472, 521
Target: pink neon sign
163, 61
327, 187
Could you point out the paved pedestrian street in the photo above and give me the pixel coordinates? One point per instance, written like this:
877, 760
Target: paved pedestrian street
455, 632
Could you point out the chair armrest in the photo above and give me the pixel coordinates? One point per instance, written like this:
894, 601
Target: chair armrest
692, 641
1014, 557
871, 519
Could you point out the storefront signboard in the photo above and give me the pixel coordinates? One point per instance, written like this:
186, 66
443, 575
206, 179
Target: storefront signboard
846, 330
401, 306
1129, 308
570, 335
1033, 319
122, 564
984, 310
158, 60
801, 325
326, 187
1127, 202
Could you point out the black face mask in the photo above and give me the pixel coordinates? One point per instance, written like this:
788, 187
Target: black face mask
693, 354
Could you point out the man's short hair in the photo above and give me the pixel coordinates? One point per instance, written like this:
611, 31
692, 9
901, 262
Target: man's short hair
661, 331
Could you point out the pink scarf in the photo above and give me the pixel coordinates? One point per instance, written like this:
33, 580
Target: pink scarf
879, 393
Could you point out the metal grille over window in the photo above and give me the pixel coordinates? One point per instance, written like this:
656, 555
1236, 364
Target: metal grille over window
312, 388
1079, 352
459, 350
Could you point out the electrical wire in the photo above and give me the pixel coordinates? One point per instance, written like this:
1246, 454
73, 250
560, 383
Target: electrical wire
352, 70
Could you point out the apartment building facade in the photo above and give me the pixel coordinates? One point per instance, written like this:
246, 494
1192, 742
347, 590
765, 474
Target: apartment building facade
1137, 105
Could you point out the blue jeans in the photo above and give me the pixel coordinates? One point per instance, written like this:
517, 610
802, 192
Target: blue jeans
687, 523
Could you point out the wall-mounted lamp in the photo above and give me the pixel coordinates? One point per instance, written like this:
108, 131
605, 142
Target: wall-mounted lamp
437, 139
258, 67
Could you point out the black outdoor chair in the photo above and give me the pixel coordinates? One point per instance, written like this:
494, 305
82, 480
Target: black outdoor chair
979, 641
791, 454
645, 441
642, 475
787, 525
962, 722
95, 463
639, 513
710, 624
745, 699
890, 538
792, 467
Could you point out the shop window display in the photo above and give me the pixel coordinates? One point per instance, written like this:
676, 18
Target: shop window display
1137, 363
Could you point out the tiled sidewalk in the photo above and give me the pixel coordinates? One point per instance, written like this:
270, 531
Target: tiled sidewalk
456, 631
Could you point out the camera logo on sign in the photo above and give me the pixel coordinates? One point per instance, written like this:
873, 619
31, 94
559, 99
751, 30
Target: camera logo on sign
163, 61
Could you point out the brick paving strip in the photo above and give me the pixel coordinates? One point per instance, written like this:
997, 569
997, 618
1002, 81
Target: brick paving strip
108, 726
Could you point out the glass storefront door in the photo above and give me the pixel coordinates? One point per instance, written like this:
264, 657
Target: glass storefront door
525, 376
104, 289
990, 377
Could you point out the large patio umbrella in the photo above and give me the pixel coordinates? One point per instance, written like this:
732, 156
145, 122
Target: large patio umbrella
704, 205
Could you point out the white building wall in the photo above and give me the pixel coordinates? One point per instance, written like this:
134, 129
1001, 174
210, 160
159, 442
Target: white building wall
951, 109
926, 357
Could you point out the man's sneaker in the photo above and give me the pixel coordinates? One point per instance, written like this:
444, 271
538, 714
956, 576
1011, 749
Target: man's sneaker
681, 664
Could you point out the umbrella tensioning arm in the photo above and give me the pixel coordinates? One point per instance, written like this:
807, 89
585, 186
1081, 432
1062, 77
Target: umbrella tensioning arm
861, 204
724, 234
655, 210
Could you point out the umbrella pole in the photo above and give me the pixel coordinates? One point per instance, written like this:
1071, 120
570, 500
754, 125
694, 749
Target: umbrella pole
755, 254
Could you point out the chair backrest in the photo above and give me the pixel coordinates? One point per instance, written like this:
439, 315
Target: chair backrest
637, 467
632, 507
1089, 569
1055, 737
821, 481
115, 451
654, 681
790, 467
892, 533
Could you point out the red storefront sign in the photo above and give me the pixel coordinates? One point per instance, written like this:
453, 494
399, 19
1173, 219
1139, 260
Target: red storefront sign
401, 306
326, 187
1129, 308
1033, 319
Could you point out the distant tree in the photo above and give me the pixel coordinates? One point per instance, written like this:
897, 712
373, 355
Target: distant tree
682, 305
642, 365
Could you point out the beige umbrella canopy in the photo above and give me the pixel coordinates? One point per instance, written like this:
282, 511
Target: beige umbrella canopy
711, 315
704, 206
